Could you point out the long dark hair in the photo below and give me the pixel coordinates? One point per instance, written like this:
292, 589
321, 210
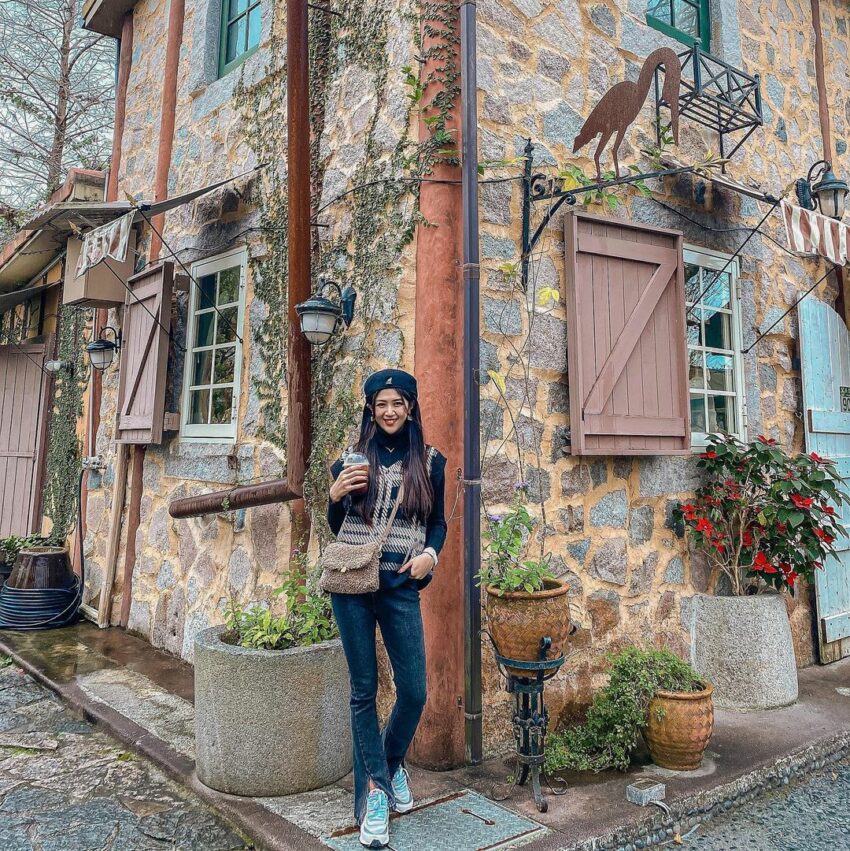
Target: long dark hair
418, 492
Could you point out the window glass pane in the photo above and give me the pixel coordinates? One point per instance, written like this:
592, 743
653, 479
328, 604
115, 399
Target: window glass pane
692, 282
694, 327
207, 294
204, 329
697, 413
237, 6
199, 406
228, 286
254, 26
222, 398
226, 325
696, 373
236, 39
718, 330
659, 9
719, 369
721, 413
717, 294
202, 367
224, 359
686, 17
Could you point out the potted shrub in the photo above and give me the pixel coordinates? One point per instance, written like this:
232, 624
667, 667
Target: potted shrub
525, 601
652, 692
272, 697
767, 520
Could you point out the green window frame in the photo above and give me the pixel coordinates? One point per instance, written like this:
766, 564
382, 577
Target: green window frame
687, 21
241, 26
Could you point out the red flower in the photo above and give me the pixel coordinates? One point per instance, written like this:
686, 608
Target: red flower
801, 501
816, 458
762, 564
689, 511
828, 509
747, 538
711, 454
704, 525
790, 578
767, 441
782, 528
827, 539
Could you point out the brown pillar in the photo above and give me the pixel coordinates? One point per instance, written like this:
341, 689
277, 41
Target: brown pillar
125, 59
439, 742
298, 378
166, 116
842, 302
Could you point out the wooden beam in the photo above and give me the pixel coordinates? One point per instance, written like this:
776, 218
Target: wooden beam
119, 489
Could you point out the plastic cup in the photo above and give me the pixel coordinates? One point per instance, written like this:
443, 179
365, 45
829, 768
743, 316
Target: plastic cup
357, 459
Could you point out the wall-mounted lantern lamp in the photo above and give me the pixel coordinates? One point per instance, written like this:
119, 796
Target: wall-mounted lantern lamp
320, 317
102, 351
828, 194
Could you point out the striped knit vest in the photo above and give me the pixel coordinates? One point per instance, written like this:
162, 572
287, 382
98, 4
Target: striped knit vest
407, 537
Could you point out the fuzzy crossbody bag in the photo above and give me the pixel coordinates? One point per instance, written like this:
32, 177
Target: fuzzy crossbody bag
354, 568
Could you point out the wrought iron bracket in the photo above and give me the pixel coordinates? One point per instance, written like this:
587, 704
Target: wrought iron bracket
537, 187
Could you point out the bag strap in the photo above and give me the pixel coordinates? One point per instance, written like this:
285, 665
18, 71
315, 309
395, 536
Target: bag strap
383, 539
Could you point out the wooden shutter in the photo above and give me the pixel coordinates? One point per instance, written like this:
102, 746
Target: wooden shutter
627, 347
144, 356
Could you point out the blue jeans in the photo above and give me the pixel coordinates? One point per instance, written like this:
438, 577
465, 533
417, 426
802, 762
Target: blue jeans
378, 755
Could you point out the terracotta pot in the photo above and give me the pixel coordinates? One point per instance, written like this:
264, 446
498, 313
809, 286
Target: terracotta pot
519, 619
678, 739
42, 567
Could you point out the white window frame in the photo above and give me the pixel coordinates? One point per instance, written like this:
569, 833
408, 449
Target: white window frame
716, 261
214, 431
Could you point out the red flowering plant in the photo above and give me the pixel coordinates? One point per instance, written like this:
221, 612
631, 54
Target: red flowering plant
765, 518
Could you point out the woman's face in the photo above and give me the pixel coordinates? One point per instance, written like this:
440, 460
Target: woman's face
390, 411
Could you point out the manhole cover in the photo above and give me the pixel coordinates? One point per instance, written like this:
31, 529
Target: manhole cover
467, 822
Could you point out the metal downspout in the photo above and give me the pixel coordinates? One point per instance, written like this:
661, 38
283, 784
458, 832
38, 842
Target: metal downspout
472, 413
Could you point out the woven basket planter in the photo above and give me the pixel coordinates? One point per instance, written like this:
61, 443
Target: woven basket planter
519, 619
678, 739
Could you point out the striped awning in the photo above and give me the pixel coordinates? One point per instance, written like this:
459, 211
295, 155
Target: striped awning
812, 233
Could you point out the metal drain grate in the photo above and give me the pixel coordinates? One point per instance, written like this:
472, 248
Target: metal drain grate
465, 822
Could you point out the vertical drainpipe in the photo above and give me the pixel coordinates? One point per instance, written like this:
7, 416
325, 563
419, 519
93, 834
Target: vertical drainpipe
472, 413
298, 431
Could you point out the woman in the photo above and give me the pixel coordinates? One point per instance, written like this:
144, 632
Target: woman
361, 501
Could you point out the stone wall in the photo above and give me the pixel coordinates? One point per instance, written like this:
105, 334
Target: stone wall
186, 570
542, 68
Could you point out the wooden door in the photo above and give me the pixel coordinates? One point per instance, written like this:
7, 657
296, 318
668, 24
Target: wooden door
23, 398
825, 366
627, 352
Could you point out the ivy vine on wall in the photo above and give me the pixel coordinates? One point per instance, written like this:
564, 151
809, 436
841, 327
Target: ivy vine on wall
370, 226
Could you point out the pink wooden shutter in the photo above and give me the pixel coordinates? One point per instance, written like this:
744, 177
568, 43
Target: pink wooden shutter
144, 356
627, 347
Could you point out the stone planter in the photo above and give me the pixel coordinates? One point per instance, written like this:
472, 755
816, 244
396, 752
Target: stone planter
743, 647
679, 728
517, 620
270, 722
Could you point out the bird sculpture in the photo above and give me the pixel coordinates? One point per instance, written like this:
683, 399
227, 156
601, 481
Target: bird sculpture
620, 105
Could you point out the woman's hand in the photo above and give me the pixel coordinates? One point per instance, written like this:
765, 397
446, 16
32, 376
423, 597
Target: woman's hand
350, 479
419, 567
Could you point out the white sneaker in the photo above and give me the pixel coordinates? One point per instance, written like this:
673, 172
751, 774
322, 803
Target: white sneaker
401, 791
375, 829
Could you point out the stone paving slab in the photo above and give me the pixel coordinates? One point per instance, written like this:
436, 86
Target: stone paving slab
67, 786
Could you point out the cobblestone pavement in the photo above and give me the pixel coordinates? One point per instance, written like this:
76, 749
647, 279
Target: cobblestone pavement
67, 786
810, 815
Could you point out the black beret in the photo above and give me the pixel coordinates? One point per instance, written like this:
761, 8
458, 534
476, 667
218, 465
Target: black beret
392, 379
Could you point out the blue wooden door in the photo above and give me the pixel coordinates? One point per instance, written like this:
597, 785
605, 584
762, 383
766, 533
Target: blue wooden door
825, 366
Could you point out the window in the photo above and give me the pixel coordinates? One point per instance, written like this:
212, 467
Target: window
685, 20
213, 350
241, 22
713, 322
